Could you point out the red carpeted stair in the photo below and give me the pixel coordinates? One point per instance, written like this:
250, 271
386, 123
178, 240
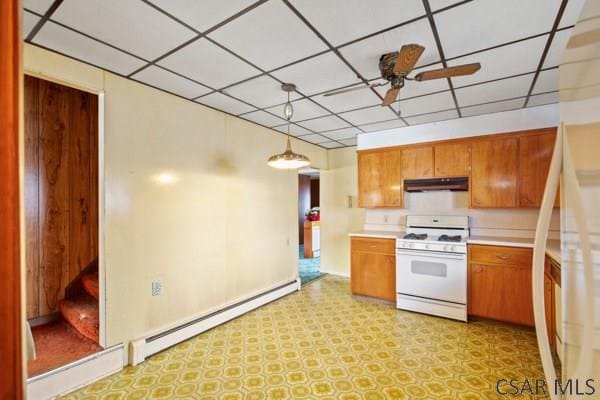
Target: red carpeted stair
82, 313
91, 285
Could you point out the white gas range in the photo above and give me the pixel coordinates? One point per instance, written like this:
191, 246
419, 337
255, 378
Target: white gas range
431, 266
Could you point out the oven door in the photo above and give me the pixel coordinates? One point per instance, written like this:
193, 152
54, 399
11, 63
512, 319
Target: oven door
432, 275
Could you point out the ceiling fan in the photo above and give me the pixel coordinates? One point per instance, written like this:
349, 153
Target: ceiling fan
396, 66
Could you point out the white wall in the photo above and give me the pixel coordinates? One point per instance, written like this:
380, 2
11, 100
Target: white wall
217, 226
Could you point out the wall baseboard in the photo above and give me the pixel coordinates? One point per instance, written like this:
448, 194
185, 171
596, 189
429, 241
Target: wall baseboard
77, 374
336, 273
141, 349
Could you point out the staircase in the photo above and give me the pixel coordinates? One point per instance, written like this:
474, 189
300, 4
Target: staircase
80, 306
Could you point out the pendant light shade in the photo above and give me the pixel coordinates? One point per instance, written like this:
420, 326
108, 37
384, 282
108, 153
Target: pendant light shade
288, 159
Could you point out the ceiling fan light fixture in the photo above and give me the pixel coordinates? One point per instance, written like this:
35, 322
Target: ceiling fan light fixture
288, 159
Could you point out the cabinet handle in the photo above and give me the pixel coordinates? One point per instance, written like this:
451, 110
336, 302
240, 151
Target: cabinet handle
478, 269
503, 257
426, 171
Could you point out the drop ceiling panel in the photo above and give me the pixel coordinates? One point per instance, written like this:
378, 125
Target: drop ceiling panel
485, 23
433, 117
369, 115
364, 55
263, 118
547, 81
318, 74
437, 4
382, 126
571, 13
191, 61
331, 145
303, 109
225, 103
340, 134
127, 24
519, 58
341, 22
39, 6
492, 107
324, 124
295, 130
29, 21
541, 99
557, 48
349, 142
202, 15
426, 104
261, 92
271, 26
494, 91
350, 100
314, 138
162, 79
78, 46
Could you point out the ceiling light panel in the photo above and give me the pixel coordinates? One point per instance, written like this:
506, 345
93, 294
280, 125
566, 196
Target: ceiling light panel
382, 126
433, 117
261, 92
518, 58
129, 25
492, 107
426, 104
369, 115
324, 123
162, 79
222, 70
364, 55
494, 91
263, 118
485, 23
342, 22
73, 44
350, 100
303, 109
271, 26
318, 74
202, 15
228, 104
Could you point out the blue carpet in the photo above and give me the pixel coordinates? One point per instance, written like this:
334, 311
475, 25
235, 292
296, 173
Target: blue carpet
308, 267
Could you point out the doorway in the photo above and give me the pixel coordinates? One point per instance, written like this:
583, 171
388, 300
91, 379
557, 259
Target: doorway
309, 225
61, 201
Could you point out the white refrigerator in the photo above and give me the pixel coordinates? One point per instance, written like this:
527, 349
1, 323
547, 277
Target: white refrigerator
575, 168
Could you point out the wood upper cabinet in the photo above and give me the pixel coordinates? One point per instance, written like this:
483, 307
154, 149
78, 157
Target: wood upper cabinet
379, 181
452, 160
494, 173
373, 267
417, 162
535, 154
499, 284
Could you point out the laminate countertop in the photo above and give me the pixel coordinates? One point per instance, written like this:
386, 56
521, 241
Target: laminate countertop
552, 245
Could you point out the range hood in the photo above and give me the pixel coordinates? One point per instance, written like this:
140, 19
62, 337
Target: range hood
428, 185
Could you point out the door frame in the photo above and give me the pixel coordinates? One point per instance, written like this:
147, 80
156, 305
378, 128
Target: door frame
11, 189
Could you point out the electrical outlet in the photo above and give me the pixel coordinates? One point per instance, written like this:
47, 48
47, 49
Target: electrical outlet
287, 241
157, 288
386, 218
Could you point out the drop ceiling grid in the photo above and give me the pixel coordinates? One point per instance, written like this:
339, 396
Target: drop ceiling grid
331, 41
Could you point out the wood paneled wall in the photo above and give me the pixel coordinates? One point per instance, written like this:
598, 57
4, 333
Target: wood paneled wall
314, 192
61, 189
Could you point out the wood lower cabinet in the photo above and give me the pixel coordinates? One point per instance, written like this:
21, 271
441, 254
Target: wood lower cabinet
499, 284
452, 160
494, 172
535, 154
373, 267
379, 182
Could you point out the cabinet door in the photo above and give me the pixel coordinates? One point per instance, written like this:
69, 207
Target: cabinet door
417, 163
391, 181
535, 154
369, 180
494, 173
373, 274
501, 292
452, 160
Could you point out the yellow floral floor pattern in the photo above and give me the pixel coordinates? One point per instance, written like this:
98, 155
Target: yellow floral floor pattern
322, 343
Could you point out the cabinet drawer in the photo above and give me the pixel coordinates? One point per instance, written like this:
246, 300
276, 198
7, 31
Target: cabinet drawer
374, 245
500, 255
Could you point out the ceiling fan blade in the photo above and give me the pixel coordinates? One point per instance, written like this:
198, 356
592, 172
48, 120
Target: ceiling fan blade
459, 70
352, 89
390, 96
407, 58
584, 39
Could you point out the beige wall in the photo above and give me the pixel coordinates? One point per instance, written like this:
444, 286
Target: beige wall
190, 202
337, 183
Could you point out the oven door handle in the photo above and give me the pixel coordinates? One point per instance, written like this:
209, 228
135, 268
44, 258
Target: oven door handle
431, 254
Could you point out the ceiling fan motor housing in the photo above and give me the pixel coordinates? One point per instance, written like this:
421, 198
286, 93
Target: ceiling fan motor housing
386, 65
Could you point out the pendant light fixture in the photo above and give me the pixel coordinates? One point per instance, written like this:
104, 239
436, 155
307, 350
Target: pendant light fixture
288, 159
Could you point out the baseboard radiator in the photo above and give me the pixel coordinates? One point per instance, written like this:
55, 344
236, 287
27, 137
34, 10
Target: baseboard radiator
145, 347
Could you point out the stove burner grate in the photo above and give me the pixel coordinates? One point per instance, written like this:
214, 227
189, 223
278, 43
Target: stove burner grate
415, 236
447, 238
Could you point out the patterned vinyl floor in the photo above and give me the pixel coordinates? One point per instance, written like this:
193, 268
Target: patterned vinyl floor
321, 343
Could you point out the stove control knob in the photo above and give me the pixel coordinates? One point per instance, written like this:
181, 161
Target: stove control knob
411, 245
426, 246
450, 248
